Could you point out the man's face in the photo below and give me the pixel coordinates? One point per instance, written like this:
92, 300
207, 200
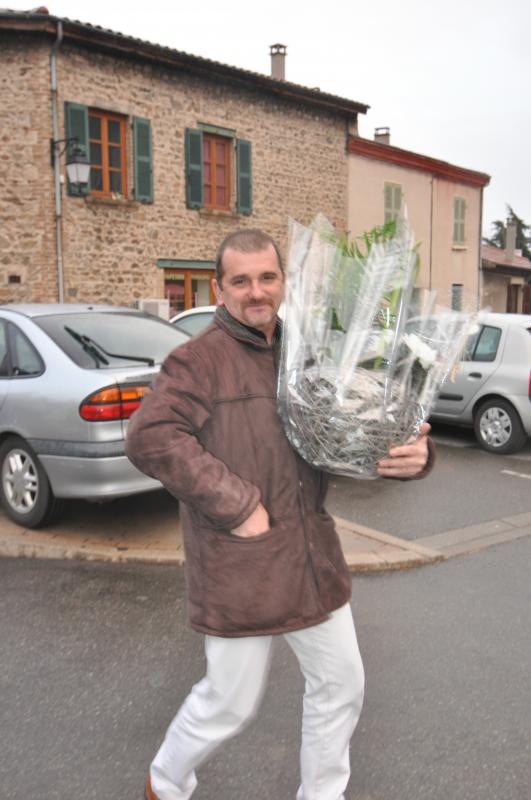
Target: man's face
252, 288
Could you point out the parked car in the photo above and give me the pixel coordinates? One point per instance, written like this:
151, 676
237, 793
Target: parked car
70, 377
194, 320
492, 388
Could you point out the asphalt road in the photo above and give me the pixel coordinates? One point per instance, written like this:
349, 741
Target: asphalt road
468, 485
97, 657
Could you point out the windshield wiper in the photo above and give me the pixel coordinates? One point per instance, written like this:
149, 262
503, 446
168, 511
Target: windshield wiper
87, 346
94, 349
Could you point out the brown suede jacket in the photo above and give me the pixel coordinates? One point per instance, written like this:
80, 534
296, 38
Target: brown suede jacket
210, 432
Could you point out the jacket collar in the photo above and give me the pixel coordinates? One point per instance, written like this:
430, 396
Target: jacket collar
245, 333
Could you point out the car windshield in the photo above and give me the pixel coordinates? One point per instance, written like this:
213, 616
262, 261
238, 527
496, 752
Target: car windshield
195, 323
101, 340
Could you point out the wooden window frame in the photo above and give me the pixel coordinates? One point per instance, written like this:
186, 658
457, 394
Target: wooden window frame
186, 275
106, 169
212, 140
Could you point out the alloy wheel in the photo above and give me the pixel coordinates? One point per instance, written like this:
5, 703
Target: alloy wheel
20, 481
495, 427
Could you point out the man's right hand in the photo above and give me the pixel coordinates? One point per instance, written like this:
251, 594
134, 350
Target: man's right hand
254, 525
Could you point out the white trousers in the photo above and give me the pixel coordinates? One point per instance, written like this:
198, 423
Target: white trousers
227, 698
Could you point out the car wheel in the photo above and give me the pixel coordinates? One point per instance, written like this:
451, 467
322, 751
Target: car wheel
25, 491
498, 427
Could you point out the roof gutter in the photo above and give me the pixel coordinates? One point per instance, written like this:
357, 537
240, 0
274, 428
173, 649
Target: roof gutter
56, 165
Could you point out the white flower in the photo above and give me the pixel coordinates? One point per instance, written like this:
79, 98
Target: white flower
425, 354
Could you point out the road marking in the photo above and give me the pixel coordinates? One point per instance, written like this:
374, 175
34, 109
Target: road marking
516, 474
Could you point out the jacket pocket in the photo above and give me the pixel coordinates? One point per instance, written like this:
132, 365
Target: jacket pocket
251, 584
331, 569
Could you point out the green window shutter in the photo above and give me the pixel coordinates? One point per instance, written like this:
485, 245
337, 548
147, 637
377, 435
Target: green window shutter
194, 168
459, 220
245, 178
143, 160
392, 201
397, 200
77, 124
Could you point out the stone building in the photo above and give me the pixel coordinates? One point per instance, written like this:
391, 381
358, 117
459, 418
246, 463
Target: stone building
444, 206
183, 150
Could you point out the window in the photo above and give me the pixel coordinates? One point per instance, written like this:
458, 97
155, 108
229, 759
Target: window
105, 138
107, 154
483, 344
457, 296
18, 357
188, 288
216, 172
513, 292
4, 360
392, 201
24, 358
459, 221
212, 171
106, 340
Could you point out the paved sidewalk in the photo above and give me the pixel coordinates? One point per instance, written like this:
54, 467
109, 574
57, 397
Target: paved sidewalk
83, 538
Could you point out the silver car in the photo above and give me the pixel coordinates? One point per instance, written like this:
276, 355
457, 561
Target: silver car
194, 320
491, 389
70, 377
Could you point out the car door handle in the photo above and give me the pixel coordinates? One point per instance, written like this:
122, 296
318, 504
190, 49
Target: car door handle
475, 375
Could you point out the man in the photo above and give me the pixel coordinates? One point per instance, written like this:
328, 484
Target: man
262, 555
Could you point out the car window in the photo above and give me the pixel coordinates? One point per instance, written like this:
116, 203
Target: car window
486, 345
24, 358
99, 340
4, 363
470, 346
194, 323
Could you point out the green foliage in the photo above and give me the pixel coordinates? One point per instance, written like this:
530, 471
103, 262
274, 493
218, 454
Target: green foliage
350, 273
349, 276
335, 324
378, 235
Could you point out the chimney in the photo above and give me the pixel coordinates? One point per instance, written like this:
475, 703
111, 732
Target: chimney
510, 240
278, 61
382, 135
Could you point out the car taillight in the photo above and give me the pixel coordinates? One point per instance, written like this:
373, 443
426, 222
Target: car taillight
115, 402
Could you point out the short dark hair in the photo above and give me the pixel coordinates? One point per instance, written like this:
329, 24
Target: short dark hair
246, 240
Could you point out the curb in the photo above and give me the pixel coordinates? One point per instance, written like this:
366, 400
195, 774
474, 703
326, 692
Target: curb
13, 547
365, 549
381, 551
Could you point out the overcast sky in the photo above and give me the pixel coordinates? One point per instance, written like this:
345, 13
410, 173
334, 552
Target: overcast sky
450, 78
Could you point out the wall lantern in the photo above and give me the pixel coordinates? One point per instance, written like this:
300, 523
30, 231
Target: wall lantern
77, 166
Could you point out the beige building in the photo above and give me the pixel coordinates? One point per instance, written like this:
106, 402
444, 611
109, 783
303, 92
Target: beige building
444, 206
182, 151
506, 276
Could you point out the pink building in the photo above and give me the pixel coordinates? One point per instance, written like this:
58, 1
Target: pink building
444, 206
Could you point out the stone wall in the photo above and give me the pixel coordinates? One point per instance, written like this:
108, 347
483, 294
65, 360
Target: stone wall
27, 220
111, 248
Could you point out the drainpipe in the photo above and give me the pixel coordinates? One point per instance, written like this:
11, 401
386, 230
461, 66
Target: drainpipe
56, 165
431, 234
480, 264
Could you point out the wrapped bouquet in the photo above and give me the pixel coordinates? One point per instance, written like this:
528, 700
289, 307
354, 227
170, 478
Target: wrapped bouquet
363, 352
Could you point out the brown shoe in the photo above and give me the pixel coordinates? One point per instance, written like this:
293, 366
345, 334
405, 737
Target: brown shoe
149, 794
